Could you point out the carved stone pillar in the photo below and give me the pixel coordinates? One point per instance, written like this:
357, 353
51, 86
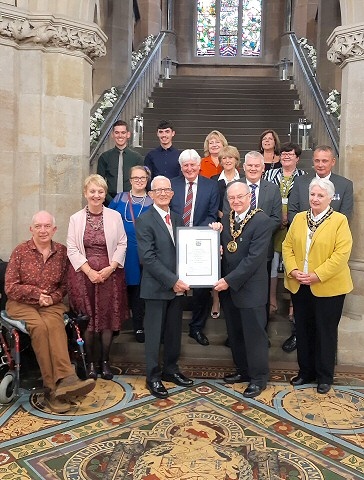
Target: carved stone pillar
346, 50
45, 96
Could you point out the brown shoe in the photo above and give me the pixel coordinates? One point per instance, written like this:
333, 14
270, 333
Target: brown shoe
57, 405
72, 386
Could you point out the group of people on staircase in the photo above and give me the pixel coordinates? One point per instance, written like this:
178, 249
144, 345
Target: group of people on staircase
122, 253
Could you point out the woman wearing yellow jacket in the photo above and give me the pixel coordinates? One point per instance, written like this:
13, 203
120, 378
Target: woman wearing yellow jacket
316, 252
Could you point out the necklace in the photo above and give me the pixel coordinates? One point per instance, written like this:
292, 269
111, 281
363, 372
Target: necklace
136, 202
90, 221
142, 199
312, 224
285, 185
232, 246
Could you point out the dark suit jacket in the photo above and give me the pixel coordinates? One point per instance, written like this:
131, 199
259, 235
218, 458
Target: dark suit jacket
270, 201
108, 166
206, 203
298, 200
157, 254
246, 269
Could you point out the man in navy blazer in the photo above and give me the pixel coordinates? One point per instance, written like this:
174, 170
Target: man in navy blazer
205, 205
323, 163
161, 288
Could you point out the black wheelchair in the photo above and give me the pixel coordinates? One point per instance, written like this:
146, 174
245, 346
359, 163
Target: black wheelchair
14, 340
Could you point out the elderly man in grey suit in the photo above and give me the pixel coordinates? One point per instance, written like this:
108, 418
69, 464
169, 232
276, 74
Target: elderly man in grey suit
161, 288
243, 288
323, 163
298, 201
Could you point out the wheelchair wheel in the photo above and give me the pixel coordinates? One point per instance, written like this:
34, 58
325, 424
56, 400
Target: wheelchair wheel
7, 388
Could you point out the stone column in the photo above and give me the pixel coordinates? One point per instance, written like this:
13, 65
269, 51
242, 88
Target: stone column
346, 50
328, 76
114, 69
45, 97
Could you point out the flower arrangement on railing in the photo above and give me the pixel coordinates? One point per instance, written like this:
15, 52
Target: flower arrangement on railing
110, 96
97, 119
333, 103
142, 52
311, 52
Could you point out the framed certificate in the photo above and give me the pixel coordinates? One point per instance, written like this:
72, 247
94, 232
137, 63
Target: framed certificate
198, 256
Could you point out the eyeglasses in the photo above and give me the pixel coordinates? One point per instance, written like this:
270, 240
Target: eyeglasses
159, 191
287, 154
138, 179
238, 197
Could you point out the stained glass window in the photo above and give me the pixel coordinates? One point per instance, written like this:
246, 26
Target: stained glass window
206, 21
228, 28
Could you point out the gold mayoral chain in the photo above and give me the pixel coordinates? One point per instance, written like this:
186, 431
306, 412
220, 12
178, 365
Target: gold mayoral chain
232, 246
312, 225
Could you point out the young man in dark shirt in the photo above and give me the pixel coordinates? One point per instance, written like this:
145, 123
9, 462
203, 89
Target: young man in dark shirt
163, 160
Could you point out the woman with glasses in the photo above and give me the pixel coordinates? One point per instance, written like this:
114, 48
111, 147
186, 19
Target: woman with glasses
284, 177
131, 205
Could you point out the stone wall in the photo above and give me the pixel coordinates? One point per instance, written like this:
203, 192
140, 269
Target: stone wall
45, 97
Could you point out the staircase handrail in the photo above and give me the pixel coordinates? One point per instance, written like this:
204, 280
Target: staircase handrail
316, 92
124, 96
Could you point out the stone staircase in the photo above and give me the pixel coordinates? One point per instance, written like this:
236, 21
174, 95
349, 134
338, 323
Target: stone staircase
125, 349
241, 108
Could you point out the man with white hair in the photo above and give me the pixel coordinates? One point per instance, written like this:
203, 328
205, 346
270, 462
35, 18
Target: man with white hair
161, 289
35, 283
243, 288
196, 199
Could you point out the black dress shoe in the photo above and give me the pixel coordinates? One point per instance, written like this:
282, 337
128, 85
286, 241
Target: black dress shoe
227, 342
298, 380
178, 378
200, 338
236, 378
253, 390
91, 371
140, 336
323, 388
157, 389
106, 372
290, 344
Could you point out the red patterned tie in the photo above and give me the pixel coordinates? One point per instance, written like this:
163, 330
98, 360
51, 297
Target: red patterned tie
188, 206
168, 219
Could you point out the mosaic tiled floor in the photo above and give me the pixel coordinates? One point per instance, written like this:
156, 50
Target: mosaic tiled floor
206, 432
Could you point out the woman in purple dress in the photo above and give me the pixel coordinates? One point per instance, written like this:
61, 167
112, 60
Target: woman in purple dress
96, 247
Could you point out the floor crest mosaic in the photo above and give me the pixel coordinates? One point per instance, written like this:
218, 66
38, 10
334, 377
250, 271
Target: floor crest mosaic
207, 432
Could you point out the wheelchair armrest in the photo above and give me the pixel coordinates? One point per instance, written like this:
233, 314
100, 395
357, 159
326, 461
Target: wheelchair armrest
9, 322
20, 325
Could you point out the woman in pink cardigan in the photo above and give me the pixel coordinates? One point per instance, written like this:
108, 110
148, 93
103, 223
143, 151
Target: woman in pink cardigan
96, 247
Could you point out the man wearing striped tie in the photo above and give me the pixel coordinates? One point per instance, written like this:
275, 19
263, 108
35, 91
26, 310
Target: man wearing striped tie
196, 199
264, 195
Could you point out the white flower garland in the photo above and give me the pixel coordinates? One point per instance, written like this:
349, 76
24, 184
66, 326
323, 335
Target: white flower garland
311, 52
110, 96
333, 103
97, 119
142, 52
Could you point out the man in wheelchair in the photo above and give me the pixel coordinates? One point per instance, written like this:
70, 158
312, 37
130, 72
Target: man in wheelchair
35, 284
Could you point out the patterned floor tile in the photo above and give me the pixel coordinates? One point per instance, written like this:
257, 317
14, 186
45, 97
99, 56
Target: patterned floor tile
209, 431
